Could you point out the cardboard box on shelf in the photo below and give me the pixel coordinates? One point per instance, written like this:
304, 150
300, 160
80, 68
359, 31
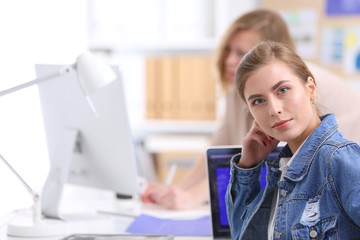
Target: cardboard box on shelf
180, 87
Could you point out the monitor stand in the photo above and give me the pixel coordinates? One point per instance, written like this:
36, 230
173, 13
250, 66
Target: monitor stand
58, 175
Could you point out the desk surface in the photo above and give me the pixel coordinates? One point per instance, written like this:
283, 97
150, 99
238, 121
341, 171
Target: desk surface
100, 224
82, 216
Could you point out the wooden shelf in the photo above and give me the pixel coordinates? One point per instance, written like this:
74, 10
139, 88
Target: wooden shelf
205, 45
158, 143
175, 127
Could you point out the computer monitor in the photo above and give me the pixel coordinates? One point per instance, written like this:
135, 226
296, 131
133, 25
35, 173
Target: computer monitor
218, 169
85, 149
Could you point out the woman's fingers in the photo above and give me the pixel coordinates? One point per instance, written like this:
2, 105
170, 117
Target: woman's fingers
258, 135
256, 146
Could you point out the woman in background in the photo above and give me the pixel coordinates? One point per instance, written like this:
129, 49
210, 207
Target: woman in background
312, 189
243, 34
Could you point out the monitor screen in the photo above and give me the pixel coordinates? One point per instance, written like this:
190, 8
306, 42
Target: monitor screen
85, 149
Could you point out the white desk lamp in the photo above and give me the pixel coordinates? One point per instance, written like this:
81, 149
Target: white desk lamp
92, 75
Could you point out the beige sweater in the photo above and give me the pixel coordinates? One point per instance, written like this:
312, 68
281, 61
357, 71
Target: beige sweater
334, 96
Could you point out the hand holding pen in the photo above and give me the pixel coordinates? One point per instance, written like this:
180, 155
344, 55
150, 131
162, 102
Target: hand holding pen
167, 195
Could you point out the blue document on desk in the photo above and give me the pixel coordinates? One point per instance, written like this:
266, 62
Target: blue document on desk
145, 224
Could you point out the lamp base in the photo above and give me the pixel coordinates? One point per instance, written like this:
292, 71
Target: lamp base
26, 227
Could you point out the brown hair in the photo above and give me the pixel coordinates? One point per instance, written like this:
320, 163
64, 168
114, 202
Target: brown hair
265, 53
268, 24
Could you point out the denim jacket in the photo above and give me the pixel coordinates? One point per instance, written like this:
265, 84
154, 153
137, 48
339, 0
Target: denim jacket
318, 199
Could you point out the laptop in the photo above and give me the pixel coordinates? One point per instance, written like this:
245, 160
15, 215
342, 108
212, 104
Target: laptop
218, 167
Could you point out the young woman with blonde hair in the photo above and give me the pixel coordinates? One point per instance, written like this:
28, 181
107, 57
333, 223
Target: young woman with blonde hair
312, 189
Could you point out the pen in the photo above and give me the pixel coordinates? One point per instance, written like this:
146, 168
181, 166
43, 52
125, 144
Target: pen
171, 174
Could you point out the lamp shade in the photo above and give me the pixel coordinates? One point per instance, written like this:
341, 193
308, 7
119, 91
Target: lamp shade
93, 74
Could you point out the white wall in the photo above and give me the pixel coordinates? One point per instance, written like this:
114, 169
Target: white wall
145, 24
37, 31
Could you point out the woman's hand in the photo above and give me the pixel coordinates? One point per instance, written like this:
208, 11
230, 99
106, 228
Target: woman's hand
171, 197
256, 146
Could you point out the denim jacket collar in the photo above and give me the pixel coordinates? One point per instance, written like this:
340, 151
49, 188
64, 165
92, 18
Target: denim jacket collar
302, 161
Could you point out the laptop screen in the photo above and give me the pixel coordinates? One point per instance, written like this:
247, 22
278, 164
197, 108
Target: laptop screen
218, 163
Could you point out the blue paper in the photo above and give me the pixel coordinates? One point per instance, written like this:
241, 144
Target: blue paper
145, 224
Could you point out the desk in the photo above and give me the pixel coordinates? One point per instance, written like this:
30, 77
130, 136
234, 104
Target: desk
81, 210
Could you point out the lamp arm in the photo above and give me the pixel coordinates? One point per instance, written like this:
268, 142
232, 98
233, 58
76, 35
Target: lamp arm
33, 194
37, 227
61, 72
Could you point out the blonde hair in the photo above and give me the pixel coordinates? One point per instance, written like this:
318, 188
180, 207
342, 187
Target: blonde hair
268, 24
265, 53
